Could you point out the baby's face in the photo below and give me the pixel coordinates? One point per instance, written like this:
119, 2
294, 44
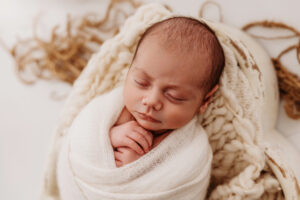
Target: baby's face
161, 89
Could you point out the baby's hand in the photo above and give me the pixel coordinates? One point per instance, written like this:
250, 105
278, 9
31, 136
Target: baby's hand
125, 155
132, 135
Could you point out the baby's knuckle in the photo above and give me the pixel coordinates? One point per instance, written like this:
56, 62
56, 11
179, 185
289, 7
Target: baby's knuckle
131, 143
149, 134
139, 136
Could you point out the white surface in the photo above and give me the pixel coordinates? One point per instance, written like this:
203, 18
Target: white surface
28, 114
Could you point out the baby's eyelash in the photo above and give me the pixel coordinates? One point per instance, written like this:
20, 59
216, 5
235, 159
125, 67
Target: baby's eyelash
179, 99
139, 83
176, 99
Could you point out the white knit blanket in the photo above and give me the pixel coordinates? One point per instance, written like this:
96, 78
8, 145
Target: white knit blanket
178, 168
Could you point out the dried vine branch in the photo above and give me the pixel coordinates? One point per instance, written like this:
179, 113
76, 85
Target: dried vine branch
65, 55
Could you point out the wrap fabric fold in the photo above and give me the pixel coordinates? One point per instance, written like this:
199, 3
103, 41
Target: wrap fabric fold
242, 113
178, 168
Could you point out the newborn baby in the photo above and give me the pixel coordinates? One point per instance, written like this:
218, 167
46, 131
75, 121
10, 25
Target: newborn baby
151, 120
173, 75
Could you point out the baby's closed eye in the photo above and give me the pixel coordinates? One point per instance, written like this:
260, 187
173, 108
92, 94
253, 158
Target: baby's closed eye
141, 83
176, 98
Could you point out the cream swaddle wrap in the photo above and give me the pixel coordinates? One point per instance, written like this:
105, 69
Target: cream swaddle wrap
178, 168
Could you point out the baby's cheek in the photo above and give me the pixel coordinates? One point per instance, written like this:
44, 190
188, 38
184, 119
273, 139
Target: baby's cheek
129, 99
177, 117
132, 97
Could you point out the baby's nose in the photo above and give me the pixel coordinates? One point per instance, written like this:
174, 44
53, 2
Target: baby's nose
152, 101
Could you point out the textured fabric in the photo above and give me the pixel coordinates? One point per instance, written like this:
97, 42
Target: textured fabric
243, 166
178, 168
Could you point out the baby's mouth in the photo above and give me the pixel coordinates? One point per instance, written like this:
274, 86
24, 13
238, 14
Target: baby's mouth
147, 117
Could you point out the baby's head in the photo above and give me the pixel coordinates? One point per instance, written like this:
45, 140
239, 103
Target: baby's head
173, 74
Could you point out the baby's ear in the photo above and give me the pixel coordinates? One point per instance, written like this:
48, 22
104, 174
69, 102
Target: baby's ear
207, 99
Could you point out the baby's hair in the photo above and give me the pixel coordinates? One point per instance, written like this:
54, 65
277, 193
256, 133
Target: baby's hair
190, 35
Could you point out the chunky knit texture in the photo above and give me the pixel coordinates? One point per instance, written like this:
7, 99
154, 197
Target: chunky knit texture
242, 168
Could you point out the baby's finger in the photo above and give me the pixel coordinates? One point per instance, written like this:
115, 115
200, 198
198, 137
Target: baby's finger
147, 134
140, 139
134, 146
117, 155
121, 149
118, 163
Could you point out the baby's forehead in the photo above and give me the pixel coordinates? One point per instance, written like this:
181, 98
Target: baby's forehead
184, 77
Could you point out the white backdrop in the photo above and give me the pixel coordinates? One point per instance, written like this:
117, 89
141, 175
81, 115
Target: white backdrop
27, 113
